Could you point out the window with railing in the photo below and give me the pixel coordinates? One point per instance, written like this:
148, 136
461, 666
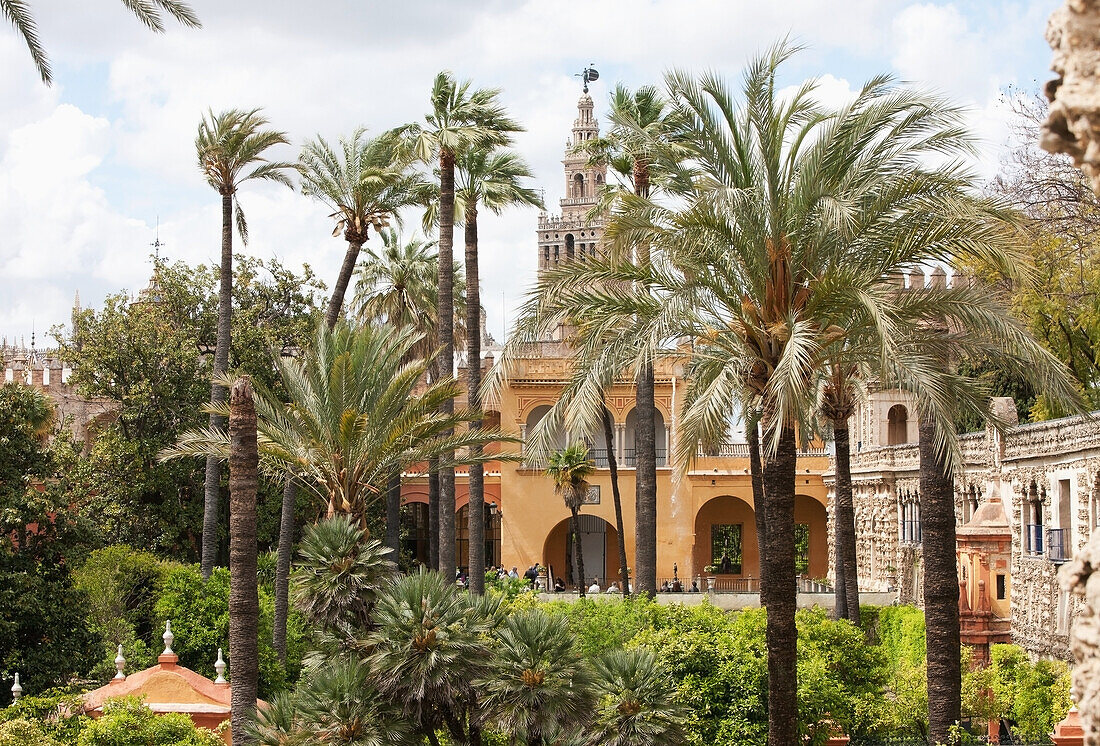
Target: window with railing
1033, 543
1057, 541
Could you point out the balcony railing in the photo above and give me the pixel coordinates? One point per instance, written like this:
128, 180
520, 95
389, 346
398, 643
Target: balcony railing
1057, 545
1034, 538
741, 450
630, 460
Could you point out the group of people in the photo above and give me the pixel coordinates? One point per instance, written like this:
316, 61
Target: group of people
533, 573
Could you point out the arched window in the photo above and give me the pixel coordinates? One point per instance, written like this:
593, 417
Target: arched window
897, 425
578, 186
568, 246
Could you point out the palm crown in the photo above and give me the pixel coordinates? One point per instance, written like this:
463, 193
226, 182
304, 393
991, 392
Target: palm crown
570, 469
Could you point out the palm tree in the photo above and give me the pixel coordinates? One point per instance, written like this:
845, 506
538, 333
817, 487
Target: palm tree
489, 179
635, 708
538, 684
282, 566
641, 148
459, 120
230, 148
244, 599
778, 257
149, 12
617, 499
429, 649
355, 414
365, 185
570, 469
399, 286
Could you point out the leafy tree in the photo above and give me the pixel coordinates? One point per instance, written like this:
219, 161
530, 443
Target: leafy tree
366, 183
150, 13
1033, 696
570, 469
231, 150
460, 120
44, 630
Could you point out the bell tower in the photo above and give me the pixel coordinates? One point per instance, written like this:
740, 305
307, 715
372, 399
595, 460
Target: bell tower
572, 236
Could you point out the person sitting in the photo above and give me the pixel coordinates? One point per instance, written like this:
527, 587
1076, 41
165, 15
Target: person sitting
664, 587
559, 585
695, 586
595, 587
613, 588
677, 586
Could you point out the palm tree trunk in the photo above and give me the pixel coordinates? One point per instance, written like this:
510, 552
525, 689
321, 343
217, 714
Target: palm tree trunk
447, 352
244, 602
212, 486
336, 302
433, 514
941, 587
282, 567
778, 586
756, 477
578, 555
393, 516
473, 399
645, 444
613, 467
844, 530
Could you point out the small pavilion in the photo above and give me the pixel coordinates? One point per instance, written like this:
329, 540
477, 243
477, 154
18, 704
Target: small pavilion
169, 687
984, 550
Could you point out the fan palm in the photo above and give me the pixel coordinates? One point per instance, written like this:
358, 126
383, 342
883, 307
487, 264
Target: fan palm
231, 149
149, 12
489, 179
538, 685
429, 648
399, 286
570, 469
777, 258
366, 181
460, 120
355, 414
634, 706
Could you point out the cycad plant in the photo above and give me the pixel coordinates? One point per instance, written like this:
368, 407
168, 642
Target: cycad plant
570, 469
232, 149
634, 705
538, 686
366, 182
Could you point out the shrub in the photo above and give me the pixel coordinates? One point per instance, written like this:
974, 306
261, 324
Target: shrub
57, 713
127, 722
23, 732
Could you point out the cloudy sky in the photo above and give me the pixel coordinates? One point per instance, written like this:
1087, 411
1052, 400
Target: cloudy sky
87, 166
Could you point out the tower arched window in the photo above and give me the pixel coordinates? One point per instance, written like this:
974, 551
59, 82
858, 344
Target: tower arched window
897, 425
578, 186
568, 246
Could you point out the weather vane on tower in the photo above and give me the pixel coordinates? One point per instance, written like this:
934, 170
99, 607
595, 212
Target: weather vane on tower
588, 75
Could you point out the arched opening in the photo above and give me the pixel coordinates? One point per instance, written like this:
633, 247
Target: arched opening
811, 550
659, 434
492, 536
569, 246
599, 550
559, 438
414, 534
897, 425
725, 540
578, 186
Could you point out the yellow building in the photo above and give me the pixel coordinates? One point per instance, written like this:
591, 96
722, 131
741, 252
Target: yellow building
704, 517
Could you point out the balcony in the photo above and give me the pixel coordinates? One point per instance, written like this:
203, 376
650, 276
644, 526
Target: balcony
1033, 538
630, 461
1058, 549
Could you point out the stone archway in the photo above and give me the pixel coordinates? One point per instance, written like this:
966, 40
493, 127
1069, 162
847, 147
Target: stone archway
599, 543
725, 537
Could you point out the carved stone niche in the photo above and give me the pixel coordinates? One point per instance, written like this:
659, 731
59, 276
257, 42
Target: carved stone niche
1073, 125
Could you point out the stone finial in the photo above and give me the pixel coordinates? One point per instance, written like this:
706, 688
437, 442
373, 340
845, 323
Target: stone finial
120, 664
16, 689
219, 666
168, 637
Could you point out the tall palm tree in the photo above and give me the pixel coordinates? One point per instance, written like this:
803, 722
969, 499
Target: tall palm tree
617, 500
460, 119
570, 469
641, 148
399, 286
282, 566
489, 179
538, 684
231, 149
355, 413
776, 258
149, 12
366, 182
244, 599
